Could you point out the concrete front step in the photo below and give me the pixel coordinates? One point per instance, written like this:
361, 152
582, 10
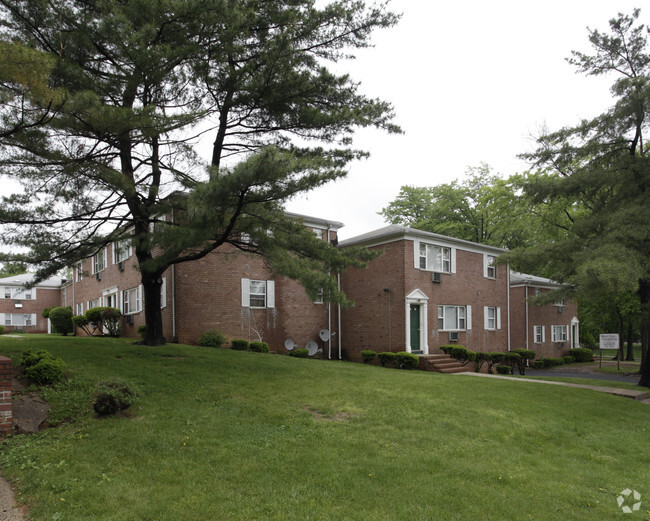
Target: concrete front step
442, 364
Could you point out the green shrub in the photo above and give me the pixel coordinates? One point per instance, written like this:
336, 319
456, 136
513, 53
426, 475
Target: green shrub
61, 319
461, 354
30, 358
551, 362
568, 359
368, 355
405, 360
212, 338
2, 330
386, 358
239, 344
526, 354
142, 331
582, 354
479, 360
511, 359
504, 369
83, 323
537, 364
113, 396
105, 320
300, 352
494, 357
46, 312
448, 347
259, 347
47, 371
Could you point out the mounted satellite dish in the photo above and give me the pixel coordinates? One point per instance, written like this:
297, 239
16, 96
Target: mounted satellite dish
324, 335
289, 344
312, 348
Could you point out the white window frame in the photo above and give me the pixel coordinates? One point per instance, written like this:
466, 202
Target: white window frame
27, 319
563, 336
132, 300
489, 266
79, 308
492, 318
94, 303
79, 271
560, 302
320, 298
101, 255
462, 321
19, 293
539, 334
163, 293
434, 257
246, 292
122, 250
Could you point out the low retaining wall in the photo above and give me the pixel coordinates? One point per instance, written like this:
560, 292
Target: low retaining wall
6, 372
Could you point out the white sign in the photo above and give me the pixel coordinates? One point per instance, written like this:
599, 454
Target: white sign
609, 341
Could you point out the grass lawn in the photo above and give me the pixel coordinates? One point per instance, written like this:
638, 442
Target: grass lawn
230, 435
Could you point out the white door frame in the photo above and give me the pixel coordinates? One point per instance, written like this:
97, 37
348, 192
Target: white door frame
417, 297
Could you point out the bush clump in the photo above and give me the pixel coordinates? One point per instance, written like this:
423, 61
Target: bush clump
511, 359
113, 396
47, 371
582, 354
300, 352
105, 320
212, 338
551, 362
460, 353
239, 344
2, 330
405, 360
525, 354
61, 319
368, 355
479, 360
386, 358
259, 347
30, 358
142, 331
568, 359
494, 357
504, 369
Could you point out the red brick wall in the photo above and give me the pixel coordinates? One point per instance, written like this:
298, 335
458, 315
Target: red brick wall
45, 298
5, 395
366, 325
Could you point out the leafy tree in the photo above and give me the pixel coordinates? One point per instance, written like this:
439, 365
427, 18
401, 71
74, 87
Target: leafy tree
603, 164
145, 81
484, 208
13, 268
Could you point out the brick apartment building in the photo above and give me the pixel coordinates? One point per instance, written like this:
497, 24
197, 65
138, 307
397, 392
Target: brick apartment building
426, 290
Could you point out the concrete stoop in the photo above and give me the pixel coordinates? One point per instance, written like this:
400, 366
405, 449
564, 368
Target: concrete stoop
441, 363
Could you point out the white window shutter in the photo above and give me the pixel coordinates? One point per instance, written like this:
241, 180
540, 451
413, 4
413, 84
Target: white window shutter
498, 318
469, 317
543, 334
453, 261
140, 293
485, 265
2, 319
270, 293
120, 304
33, 293
416, 254
245, 293
34, 319
486, 317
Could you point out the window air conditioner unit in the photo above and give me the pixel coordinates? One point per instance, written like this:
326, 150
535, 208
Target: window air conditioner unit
120, 266
18, 304
436, 277
129, 319
98, 275
453, 336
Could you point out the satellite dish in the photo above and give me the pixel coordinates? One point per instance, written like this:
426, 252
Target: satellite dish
289, 344
324, 335
312, 348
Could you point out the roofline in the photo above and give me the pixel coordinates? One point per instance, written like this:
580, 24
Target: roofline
396, 232
308, 219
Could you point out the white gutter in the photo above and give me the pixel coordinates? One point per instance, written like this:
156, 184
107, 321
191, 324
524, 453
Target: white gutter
508, 304
339, 315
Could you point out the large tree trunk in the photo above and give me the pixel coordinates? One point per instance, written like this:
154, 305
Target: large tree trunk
152, 314
644, 295
630, 342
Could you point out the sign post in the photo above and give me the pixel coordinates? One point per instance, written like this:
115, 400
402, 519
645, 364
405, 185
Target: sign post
609, 341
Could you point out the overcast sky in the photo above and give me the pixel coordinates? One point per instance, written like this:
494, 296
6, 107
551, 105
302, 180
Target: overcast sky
471, 81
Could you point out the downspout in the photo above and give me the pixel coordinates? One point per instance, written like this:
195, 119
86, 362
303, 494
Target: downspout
339, 313
508, 304
173, 294
329, 324
526, 308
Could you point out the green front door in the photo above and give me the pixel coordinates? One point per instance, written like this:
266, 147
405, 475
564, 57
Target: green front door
415, 328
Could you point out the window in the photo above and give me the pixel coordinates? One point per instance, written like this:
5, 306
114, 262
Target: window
99, 261
79, 271
318, 232
561, 302
538, 292
19, 293
79, 309
453, 318
319, 297
19, 319
559, 333
122, 250
489, 267
492, 318
538, 334
258, 293
434, 258
94, 303
132, 301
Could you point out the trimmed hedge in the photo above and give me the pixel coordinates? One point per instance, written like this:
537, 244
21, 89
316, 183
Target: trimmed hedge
479, 360
2, 330
61, 319
239, 344
368, 355
495, 357
568, 359
504, 369
582, 354
405, 360
386, 358
525, 354
259, 347
300, 352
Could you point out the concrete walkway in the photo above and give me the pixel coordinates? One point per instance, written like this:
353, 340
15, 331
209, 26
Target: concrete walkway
640, 396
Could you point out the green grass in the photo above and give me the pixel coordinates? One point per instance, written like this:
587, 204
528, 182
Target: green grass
230, 435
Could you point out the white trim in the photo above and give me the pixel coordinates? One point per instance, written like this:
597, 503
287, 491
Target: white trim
270, 294
417, 296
